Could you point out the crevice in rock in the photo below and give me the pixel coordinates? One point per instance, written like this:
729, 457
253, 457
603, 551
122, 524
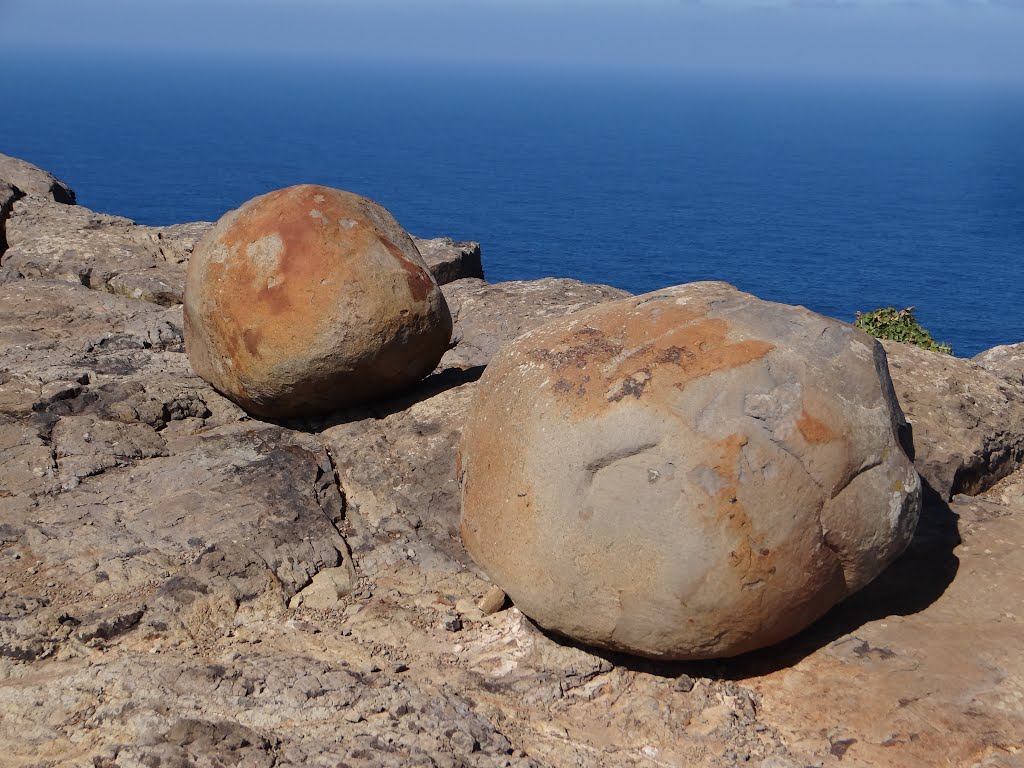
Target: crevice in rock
606, 461
85, 277
844, 564
342, 543
5, 215
341, 491
781, 444
845, 483
977, 473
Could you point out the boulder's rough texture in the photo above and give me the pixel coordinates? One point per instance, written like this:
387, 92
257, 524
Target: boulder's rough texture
156, 604
692, 473
107, 253
1005, 361
449, 260
967, 420
489, 315
34, 181
56, 338
309, 299
175, 590
923, 664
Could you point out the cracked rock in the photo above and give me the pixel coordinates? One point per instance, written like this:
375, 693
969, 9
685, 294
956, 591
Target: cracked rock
967, 416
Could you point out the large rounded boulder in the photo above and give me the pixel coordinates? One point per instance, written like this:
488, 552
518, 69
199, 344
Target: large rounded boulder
309, 299
688, 474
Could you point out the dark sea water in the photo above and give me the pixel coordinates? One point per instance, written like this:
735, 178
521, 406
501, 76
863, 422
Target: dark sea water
837, 196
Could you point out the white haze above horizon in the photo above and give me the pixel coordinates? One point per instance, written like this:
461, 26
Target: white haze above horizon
945, 40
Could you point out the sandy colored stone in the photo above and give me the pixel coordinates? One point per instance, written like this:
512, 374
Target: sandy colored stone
327, 588
103, 252
967, 419
492, 601
488, 315
693, 473
1006, 360
309, 299
144, 618
450, 260
33, 180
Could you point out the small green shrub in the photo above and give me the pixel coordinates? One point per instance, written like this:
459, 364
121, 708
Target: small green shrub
899, 325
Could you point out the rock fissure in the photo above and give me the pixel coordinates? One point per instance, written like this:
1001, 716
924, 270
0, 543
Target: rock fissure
6, 210
607, 460
781, 444
843, 484
341, 543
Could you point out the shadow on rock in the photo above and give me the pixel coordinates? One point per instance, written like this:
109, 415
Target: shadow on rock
431, 386
916, 580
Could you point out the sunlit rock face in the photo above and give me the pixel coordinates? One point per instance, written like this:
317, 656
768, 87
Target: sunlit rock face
309, 299
692, 473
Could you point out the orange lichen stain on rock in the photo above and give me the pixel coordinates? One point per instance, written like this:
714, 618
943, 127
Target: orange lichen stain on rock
748, 554
251, 337
814, 430
311, 247
620, 356
307, 260
728, 452
420, 282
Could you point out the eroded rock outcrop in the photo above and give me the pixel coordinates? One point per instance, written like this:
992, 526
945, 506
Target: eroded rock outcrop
107, 253
114, 254
489, 315
450, 260
692, 473
310, 299
174, 586
1005, 361
967, 420
33, 180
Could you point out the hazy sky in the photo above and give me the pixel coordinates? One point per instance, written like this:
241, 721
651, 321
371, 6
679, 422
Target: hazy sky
961, 39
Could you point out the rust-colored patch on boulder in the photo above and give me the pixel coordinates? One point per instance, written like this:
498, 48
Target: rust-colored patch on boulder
748, 554
419, 279
689, 474
615, 357
814, 430
310, 298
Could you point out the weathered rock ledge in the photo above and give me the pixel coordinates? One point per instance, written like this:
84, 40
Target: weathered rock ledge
182, 583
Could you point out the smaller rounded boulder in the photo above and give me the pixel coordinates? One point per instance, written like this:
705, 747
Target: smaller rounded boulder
309, 299
689, 474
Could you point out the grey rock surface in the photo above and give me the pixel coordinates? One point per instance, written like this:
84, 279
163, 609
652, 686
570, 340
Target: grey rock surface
161, 596
488, 315
967, 419
99, 251
184, 572
1005, 361
34, 181
449, 260
56, 337
692, 473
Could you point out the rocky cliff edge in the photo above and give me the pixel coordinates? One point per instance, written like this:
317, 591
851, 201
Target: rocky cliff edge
182, 583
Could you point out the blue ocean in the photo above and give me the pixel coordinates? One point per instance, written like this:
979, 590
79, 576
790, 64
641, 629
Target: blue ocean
840, 196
